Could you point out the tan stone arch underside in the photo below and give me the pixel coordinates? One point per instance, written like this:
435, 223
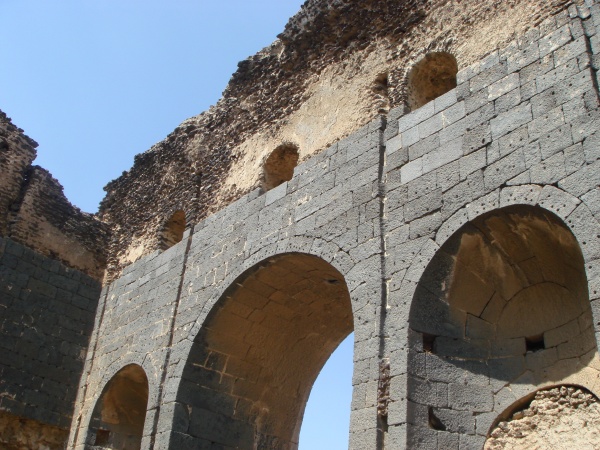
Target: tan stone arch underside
260, 349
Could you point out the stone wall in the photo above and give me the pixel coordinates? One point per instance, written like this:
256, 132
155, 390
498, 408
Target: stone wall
46, 318
35, 212
17, 151
335, 67
445, 227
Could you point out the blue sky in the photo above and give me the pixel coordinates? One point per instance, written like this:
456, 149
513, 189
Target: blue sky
96, 82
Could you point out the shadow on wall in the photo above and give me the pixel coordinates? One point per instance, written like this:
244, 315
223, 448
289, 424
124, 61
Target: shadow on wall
251, 368
118, 418
503, 302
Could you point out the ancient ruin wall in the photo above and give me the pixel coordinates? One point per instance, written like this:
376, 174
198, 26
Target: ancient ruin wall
334, 68
495, 182
46, 317
17, 151
35, 212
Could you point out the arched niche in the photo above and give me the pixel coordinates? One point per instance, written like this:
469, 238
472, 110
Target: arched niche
118, 418
501, 308
279, 166
172, 232
251, 368
431, 77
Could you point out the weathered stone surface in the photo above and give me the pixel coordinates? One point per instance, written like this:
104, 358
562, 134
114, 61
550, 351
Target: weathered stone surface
561, 418
458, 241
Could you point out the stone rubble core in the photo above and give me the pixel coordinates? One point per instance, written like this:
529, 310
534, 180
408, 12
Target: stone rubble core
457, 237
549, 420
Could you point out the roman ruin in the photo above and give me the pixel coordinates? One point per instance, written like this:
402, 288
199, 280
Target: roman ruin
423, 174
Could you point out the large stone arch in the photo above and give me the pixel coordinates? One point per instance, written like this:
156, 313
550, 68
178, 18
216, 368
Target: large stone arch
497, 310
118, 418
257, 353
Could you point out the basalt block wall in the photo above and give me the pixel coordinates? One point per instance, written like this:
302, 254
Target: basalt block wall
51, 263
462, 238
46, 318
335, 67
35, 212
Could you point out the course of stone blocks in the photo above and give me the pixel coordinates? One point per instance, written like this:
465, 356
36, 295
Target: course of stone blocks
457, 237
46, 316
460, 242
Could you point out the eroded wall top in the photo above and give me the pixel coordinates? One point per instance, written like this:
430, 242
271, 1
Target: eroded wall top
35, 212
335, 67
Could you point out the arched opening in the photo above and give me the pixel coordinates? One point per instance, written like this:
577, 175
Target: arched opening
172, 233
118, 418
503, 303
540, 421
279, 166
432, 76
251, 368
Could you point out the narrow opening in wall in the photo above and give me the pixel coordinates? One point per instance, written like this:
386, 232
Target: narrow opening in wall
279, 166
431, 77
102, 437
535, 343
428, 342
434, 421
172, 232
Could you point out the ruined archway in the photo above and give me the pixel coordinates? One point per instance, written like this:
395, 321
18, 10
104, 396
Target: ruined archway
279, 166
252, 365
431, 77
500, 310
118, 419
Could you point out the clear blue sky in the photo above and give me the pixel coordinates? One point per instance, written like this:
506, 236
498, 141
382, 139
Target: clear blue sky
95, 82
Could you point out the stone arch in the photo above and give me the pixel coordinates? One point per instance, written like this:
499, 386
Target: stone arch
253, 362
117, 420
432, 76
279, 166
172, 232
503, 303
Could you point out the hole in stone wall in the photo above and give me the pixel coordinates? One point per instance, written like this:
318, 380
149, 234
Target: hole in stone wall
172, 232
535, 343
279, 166
434, 421
432, 76
428, 342
102, 437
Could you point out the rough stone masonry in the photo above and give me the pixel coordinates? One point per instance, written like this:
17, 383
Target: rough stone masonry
457, 236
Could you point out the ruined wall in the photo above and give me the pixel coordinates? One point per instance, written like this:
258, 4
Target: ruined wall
35, 212
17, 152
547, 420
335, 67
466, 233
46, 318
